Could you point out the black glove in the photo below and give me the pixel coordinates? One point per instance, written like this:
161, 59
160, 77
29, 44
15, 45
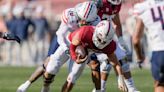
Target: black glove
10, 36
140, 64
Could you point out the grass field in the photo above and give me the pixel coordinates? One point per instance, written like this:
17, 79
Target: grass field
12, 77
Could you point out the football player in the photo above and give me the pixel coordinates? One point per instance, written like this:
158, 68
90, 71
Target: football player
97, 39
72, 20
109, 10
150, 14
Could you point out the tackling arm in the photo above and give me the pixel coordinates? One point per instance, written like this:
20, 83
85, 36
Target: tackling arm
61, 35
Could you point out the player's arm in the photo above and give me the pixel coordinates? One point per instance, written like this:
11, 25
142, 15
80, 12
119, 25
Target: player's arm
116, 65
136, 38
118, 29
114, 62
117, 23
61, 35
74, 43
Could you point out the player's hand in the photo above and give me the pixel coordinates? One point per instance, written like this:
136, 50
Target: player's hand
121, 84
81, 60
67, 52
10, 36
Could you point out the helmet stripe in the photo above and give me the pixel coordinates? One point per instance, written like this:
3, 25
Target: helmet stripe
108, 29
85, 15
89, 11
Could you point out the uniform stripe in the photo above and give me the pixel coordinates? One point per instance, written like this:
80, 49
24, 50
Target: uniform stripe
64, 17
64, 20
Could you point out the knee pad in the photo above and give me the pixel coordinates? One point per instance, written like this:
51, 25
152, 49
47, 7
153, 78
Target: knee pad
105, 67
125, 66
101, 57
71, 78
93, 56
53, 69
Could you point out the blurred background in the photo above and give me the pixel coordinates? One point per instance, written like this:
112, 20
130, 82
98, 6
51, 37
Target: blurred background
36, 21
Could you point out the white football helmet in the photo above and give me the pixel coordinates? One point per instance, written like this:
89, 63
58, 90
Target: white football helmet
70, 18
103, 34
86, 11
115, 2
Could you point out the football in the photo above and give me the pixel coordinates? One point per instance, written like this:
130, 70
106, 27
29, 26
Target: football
80, 50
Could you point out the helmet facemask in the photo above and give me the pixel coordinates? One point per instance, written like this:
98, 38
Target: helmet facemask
115, 2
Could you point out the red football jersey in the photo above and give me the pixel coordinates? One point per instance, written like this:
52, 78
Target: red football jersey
84, 35
108, 9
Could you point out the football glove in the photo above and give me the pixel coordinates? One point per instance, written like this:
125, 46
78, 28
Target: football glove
11, 36
140, 63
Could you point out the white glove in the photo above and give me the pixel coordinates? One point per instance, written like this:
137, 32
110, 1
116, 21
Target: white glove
123, 45
121, 84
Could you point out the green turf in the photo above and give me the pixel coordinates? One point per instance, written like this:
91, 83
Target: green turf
12, 77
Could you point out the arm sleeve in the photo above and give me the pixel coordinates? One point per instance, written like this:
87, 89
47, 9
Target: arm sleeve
139, 8
61, 35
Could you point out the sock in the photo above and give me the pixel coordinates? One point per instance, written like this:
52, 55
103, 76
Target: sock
130, 84
103, 85
27, 83
45, 89
98, 90
24, 86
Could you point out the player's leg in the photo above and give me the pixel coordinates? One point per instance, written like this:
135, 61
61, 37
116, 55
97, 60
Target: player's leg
39, 71
128, 77
56, 61
99, 57
96, 77
120, 53
36, 74
157, 68
105, 68
77, 69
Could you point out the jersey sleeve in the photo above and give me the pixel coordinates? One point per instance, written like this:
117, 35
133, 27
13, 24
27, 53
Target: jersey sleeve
139, 9
61, 35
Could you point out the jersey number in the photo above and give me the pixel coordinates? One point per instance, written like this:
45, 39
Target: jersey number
158, 18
